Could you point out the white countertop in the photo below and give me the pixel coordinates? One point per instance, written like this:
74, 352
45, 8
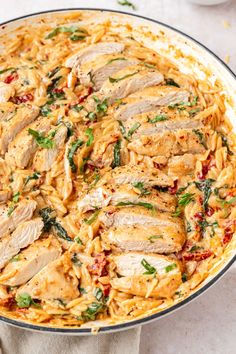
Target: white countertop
208, 324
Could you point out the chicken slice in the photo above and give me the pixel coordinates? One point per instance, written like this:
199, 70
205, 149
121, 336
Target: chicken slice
134, 174
23, 117
56, 280
44, 158
92, 52
5, 195
181, 165
126, 82
162, 282
30, 261
24, 146
157, 239
170, 143
24, 211
25, 234
149, 99
113, 195
6, 92
97, 71
137, 215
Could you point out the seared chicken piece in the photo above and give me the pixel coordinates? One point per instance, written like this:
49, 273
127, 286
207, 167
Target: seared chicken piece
30, 261
92, 52
149, 99
23, 147
97, 71
55, 281
104, 196
157, 239
170, 143
181, 165
44, 158
162, 281
25, 234
134, 174
5, 195
6, 92
24, 211
23, 117
125, 82
137, 215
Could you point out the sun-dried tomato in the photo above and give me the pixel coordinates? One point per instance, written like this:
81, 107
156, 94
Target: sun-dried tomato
22, 99
11, 78
197, 256
99, 266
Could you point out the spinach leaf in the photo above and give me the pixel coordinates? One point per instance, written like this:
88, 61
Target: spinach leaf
74, 147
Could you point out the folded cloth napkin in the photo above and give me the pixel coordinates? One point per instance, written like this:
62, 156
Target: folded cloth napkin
20, 341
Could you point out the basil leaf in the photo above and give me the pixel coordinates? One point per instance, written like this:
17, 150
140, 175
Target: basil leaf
45, 142
35, 175
74, 147
5, 70
127, 3
133, 129
170, 267
201, 137
64, 29
14, 200
116, 59
92, 218
89, 134
143, 204
150, 269
112, 80
159, 118
140, 186
117, 158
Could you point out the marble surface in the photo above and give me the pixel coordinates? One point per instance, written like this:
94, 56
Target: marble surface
208, 324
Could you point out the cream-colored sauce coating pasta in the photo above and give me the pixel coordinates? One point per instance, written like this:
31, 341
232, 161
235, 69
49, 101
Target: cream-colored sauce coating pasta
117, 176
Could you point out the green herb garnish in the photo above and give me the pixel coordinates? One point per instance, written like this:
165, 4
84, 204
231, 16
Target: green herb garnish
15, 258
171, 82
149, 268
63, 29
115, 59
70, 155
46, 142
117, 158
127, 3
133, 129
5, 70
12, 205
226, 144
112, 80
93, 309
102, 106
53, 72
92, 218
75, 37
140, 186
205, 187
158, 118
154, 237
98, 293
143, 204
201, 137
24, 300
78, 240
89, 134
35, 175
76, 260
170, 267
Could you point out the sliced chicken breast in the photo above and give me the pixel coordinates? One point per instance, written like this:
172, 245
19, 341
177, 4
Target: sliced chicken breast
93, 51
22, 149
44, 159
134, 174
137, 215
162, 281
113, 195
169, 143
23, 117
125, 82
149, 99
156, 239
25, 234
5, 195
24, 211
6, 92
97, 71
30, 261
56, 280
182, 165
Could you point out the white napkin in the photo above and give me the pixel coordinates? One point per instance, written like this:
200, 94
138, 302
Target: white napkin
20, 341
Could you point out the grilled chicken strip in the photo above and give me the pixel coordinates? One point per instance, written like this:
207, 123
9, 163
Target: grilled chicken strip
44, 158
23, 147
6, 92
56, 280
133, 174
25, 234
24, 211
181, 165
97, 71
113, 195
130, 266
150, 99
92, 52
156, 239
30, 261
5, 195
23, 117
137, 215
170, 143
125, 82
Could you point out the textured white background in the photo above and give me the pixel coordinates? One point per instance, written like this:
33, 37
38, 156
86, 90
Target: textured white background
208, 325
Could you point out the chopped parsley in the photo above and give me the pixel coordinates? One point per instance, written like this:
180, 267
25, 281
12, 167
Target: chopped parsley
140, 186
171, 82
117, 158
13, 203
170, 267
127, 3
92, 218
201, 137
143, 204
89, 134
46, 142
112, 80
70, 155
34, 176
158, 118
149, 268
